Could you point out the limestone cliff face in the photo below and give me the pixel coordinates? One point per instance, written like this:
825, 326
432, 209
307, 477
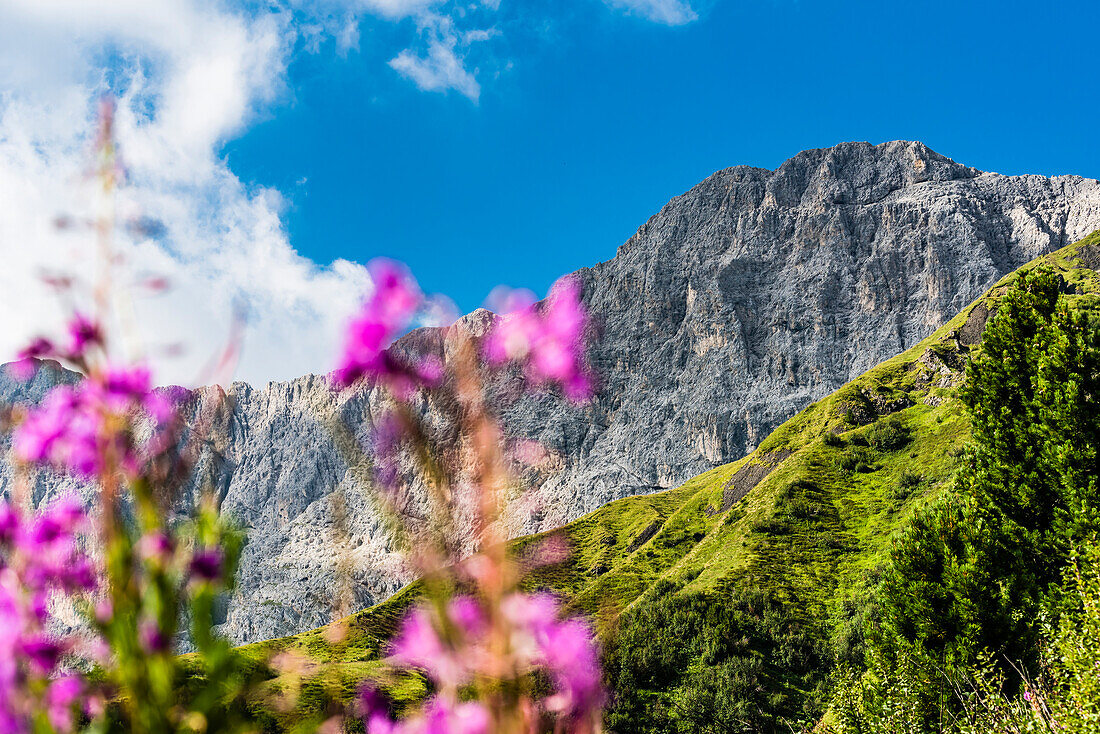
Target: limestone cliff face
740, 302
757, 292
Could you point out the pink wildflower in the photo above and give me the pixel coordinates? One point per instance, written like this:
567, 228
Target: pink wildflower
61, 698
83, 333
152, 637
466, 614
384, 316
547, 341
78, 429
156, 546
38, 555
442, 716
418, 645
23, 368
570, 655
374, 711
207, 564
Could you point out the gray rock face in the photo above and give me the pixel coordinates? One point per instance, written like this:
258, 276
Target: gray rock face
743, 300
757, 292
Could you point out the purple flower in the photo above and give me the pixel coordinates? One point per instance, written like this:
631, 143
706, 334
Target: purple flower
152, 637
41, 651
566, 648
87, 429
24, 367
123, 388
83, 333
570, 654
466, 614
37, 436
156, 546
207, 564
442, 716
418, 645
104, 610
61, 696
9, 523
374, 711
548, 342
48, 545
387, 312
533, 614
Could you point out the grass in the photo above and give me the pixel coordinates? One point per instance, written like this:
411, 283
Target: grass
848, 471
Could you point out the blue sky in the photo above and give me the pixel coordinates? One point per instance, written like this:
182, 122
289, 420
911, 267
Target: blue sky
589, 120
281, 144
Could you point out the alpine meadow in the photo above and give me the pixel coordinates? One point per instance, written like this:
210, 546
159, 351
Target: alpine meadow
328, 404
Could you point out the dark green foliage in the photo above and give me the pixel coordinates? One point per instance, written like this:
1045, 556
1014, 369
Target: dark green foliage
707, 662
971, 574
854, 616
889, 434
858, 459
833, 439
909, 479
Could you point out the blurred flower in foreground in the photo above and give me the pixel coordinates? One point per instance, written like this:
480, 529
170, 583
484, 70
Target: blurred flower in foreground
154, 569
88, 428
547, 339
385, 314
39, 556
498, 659
469, 646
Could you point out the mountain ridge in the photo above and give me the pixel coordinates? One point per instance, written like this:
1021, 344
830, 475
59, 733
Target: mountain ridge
738, 303
793, 550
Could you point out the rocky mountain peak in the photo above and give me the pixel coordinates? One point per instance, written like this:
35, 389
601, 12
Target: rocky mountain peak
740, 302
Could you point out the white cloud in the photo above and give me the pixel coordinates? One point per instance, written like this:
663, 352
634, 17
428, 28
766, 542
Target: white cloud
441, 68
668, 12
191, 75
438, 71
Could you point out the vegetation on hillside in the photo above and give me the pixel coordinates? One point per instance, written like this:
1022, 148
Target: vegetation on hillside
973, 600
751, 597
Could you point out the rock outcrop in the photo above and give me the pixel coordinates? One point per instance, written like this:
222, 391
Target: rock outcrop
741, 301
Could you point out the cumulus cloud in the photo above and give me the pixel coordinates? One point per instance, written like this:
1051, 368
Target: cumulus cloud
441, 67
668, 12
188, 75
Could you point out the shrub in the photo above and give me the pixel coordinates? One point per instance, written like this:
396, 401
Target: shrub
909, 479
889, 434
858, 459
770, 526
834, 439
803, 509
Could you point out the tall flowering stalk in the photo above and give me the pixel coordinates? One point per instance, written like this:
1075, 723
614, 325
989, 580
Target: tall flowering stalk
498, 659
143, 576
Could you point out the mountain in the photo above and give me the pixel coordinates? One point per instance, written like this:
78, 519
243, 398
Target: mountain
739, 303
781, 546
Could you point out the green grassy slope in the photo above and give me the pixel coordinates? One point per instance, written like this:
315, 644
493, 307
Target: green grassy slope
806, 517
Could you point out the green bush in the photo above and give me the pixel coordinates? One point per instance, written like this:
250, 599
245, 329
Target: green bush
909, 479
971, 576
707, 662
834, 439
889, 434
858, 459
